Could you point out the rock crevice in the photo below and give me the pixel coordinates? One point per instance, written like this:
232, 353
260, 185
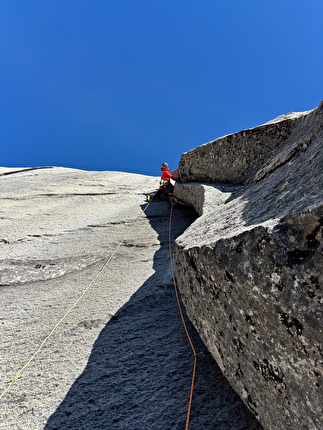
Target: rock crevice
119, 356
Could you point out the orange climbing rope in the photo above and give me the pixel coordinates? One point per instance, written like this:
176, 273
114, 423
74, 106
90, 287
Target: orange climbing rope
181, 313
15, 378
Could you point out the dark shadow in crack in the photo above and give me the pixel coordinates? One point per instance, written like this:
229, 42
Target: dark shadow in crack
139, 373
28, 169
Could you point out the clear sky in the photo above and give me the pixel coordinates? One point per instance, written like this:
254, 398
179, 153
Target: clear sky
129, 84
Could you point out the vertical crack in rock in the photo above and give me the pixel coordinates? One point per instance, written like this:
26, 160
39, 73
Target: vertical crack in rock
119, 357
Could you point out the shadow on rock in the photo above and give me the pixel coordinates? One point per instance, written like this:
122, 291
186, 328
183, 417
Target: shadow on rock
139, 373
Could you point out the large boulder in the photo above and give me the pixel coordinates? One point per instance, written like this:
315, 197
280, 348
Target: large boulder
250, 267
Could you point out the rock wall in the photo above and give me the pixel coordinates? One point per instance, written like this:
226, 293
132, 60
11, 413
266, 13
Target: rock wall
120, 358
250, 267
237, 157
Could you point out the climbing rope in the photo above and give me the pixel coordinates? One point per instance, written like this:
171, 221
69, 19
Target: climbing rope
182, 317
17, 375
12, 380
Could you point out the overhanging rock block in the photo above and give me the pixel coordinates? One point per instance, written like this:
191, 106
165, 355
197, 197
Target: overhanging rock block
250, 273
235, 158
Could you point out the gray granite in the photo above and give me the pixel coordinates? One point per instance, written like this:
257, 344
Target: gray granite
120, 359
235, 158
250, 267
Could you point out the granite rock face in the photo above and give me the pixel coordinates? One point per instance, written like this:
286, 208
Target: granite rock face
250, 267
234, 159
120, 358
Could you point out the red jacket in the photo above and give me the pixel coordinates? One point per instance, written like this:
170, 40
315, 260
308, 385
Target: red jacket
166, 175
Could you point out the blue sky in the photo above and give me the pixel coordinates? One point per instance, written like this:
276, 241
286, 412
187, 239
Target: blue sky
129, 84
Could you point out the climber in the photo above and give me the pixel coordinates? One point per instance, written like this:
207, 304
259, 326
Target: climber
166, 187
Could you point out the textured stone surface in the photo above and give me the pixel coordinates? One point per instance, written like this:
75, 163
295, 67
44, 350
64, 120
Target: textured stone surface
120, 359
234, 159
250, 274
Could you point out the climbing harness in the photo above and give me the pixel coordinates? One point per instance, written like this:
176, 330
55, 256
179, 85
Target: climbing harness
182, 317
